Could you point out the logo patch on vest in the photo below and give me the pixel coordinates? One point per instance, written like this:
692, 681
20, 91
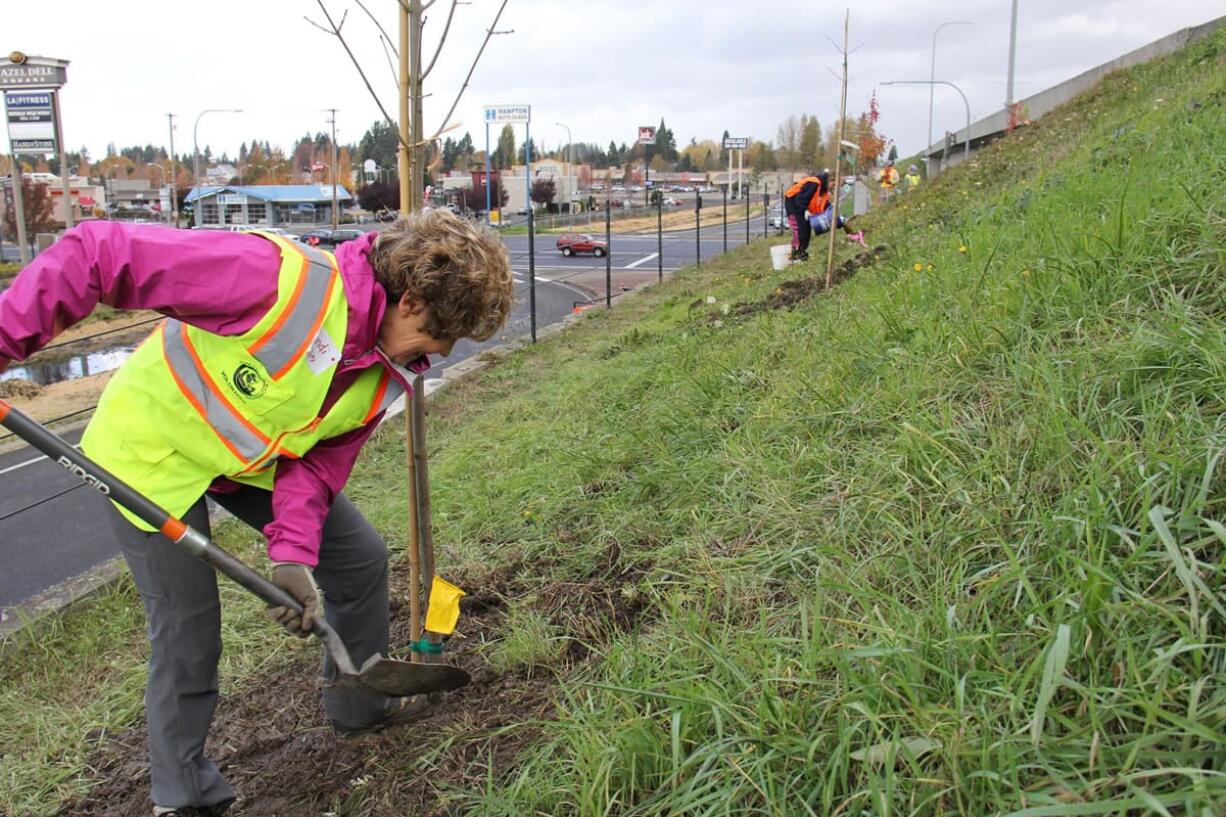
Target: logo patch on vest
249, 381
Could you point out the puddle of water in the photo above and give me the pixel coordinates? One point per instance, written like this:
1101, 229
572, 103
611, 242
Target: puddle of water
44, 374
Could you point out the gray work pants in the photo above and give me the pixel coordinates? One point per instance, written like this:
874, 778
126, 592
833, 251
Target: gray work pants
184, 616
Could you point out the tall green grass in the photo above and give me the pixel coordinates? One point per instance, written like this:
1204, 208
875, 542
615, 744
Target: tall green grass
948, 540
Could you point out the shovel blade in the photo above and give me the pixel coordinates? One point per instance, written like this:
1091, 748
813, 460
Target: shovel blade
401, 678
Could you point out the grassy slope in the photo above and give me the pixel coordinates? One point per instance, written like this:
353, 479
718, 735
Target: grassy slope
947, 541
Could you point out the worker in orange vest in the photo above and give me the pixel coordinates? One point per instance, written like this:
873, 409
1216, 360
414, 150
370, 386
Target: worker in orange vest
809, 210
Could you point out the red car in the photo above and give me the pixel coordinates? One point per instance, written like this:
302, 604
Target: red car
582, 242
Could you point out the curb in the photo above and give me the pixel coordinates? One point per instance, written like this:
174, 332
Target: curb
79, 590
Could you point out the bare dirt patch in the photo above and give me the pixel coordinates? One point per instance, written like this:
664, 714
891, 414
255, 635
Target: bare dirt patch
276, 748
45, 403
104, 332
791, 294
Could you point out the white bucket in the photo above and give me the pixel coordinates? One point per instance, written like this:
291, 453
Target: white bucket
779, 256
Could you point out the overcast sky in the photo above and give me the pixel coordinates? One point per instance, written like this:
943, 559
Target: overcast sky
602, 67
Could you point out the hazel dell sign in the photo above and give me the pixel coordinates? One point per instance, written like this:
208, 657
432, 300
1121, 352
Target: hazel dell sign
32, 76
20, 72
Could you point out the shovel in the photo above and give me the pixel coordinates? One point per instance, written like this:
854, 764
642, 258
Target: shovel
386, 675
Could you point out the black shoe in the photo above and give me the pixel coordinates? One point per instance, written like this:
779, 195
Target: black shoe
216, 810
399, 711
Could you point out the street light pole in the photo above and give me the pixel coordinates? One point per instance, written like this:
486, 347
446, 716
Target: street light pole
570, 170
967, 152
196, 144
332, 121
174, 194
933, 73
1012, 55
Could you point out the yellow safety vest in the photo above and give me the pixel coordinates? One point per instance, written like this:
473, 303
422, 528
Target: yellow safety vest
913, 181
190, 405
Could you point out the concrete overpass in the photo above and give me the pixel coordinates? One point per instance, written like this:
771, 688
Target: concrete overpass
941, 155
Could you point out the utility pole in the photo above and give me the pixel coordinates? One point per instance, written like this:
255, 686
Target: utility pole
174, 193
838, 166
332, 122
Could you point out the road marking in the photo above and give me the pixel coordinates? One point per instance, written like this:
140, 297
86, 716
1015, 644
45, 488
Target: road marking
22, 465
642, 260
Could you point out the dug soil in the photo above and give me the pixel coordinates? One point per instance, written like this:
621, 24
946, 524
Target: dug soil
275, 747
791, 294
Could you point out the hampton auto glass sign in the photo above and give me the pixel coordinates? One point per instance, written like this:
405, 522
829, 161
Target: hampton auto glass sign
508, 114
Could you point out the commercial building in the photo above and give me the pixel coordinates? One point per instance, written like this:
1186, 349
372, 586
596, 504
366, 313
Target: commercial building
88, 199
271, 205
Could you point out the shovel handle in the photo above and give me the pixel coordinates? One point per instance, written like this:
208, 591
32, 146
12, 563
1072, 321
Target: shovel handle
177, 531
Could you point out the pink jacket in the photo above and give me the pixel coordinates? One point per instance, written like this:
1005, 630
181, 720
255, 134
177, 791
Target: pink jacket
223, 283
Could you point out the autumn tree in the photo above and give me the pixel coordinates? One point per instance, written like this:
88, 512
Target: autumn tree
544, 191
344, 166
702, 155
872, 144
37, 207
761, 157
474, 197
379, 196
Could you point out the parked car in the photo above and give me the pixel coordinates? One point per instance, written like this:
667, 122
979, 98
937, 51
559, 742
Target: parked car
317, 237
574, 243
281, 231
343, 235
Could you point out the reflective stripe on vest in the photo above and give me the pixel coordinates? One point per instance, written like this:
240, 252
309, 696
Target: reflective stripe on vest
287, 339
388, 392
243, 439
278, 349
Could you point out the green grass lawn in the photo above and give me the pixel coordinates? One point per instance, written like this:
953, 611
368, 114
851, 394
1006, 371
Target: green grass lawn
946, 540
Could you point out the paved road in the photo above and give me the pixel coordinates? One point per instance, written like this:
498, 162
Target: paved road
49, 524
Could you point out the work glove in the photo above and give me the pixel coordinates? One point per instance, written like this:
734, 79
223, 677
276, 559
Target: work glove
297, 580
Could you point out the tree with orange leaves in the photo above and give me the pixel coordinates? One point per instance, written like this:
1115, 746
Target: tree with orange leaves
872, 144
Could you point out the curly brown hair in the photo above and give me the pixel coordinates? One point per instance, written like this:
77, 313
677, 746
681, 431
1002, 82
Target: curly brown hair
460, 270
